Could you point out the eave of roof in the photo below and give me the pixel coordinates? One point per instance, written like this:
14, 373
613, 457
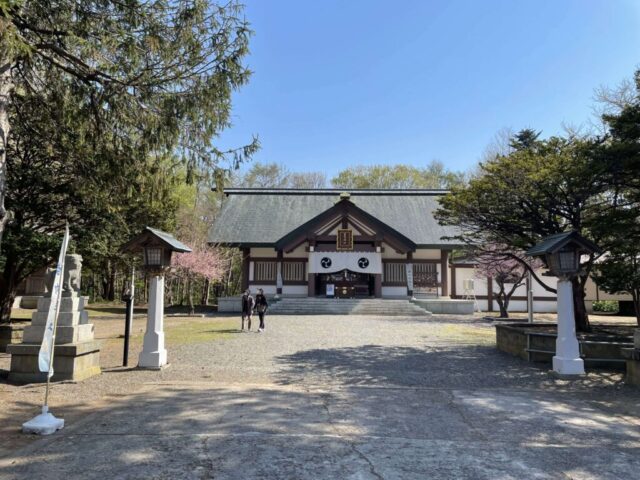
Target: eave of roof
553, 243
166, 238
335, 191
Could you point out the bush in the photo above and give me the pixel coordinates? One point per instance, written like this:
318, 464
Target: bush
607, 306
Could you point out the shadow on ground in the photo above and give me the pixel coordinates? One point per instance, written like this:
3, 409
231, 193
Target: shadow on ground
200, 431
459, 366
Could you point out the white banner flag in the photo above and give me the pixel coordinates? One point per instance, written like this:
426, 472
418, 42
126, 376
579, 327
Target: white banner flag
45, 357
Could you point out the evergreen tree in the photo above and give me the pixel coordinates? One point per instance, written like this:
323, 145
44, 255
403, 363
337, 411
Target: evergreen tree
156, 77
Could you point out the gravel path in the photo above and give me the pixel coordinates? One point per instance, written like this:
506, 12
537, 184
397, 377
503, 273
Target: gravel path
332, 397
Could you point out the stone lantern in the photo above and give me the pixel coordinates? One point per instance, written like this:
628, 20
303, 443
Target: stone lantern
157, 247
561, 253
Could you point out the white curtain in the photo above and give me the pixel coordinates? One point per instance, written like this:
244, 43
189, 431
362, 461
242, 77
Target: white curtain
331, 262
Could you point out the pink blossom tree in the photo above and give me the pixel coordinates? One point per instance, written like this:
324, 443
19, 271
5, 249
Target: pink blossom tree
506, 268
203, 262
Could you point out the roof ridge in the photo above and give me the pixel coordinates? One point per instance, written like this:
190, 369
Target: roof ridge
333, 191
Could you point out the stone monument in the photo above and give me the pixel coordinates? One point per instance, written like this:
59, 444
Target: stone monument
77, 353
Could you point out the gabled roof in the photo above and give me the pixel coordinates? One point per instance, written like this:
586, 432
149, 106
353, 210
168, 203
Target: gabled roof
347, 208
149, 234
553, 243
261, 217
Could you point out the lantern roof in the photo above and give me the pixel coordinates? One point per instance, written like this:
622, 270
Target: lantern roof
553, 243
150, 236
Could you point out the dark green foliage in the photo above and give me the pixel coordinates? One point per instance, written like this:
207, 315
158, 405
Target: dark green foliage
619, 272
606, 306
111, 105
545, 187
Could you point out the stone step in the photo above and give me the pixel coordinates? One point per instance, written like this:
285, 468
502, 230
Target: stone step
67, 304
78, 333
67, 319
354, 306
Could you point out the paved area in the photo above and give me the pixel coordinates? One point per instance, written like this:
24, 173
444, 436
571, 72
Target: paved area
347, 398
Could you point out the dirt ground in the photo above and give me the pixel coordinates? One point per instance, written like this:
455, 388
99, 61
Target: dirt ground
325, 397
434, 352
75, 399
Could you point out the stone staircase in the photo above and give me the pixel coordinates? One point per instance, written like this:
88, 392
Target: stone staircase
345, 306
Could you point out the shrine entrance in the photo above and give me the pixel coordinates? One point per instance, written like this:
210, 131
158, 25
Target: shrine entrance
345, 284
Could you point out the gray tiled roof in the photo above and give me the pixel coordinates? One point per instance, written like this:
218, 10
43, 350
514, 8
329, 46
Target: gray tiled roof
262, 216
175, 244
554, 242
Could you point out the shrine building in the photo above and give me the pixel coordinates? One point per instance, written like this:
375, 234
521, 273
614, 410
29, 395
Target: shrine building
336, 242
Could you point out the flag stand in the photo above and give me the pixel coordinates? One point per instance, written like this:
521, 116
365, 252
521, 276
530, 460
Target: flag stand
46, 423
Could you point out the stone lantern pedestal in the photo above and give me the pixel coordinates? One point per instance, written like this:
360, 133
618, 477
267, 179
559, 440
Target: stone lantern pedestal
154, 355
632, 356
76, 354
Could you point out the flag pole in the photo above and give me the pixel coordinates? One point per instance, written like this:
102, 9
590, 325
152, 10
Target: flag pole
65, 244
46, 423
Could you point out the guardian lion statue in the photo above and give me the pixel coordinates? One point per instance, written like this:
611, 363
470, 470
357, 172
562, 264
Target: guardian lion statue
71, 278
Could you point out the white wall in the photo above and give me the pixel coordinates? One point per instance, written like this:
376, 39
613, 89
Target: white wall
263, 252
268, 289
426, 254
480, 289
300, 251
394, 292
295, 290
390, 252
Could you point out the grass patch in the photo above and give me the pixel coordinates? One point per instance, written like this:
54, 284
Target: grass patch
466, 334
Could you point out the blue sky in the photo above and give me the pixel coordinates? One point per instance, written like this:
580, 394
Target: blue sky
341, 83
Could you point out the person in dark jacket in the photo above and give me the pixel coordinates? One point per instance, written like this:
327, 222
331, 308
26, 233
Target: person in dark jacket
261, 308
247, 308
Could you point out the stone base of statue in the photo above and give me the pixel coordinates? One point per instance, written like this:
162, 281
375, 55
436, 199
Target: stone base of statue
76, 353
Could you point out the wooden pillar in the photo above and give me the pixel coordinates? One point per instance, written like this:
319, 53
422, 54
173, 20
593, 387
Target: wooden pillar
453, 282
311, 285
444, 272
490, 294
245, 268
279, 273
377, 289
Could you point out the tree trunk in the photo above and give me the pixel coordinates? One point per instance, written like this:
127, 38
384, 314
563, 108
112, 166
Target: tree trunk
192, 310
170, 285
8, 289
184, 290
109, 282
635, 294
5, 91
205, 292
580, 311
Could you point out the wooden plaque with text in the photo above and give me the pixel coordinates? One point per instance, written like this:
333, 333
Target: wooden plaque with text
344, 240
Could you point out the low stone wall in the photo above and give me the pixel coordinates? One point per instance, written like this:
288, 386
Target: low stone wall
528, 342
230, 304
512, 341
26, 301
446, 306
11, 334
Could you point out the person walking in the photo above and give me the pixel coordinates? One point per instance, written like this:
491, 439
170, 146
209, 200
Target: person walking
261, 308
247, 308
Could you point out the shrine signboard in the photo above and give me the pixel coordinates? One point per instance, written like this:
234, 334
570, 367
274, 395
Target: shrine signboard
344, 240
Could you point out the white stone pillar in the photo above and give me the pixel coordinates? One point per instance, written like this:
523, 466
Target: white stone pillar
567, 360
153, 354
